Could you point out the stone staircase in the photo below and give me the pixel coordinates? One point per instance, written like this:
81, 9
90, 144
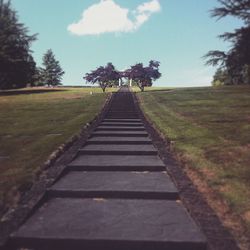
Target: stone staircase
115, 195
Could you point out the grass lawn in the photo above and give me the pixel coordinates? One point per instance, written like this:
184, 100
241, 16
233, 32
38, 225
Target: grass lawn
209, 130
33, 123
146, 89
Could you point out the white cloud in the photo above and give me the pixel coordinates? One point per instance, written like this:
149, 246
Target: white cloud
153, 6
107, 16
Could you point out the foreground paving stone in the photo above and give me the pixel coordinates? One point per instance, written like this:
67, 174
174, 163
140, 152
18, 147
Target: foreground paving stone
119, 150
141, 185
97, 224
121, 140
117, 163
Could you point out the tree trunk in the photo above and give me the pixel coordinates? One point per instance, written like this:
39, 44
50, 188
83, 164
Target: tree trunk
141, 87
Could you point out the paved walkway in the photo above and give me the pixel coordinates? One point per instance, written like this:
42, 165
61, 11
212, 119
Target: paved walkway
115, 195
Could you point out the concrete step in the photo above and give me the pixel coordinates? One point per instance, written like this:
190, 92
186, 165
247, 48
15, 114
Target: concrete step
121, 117
119, 140
125, 115
120, 128
98, 224
122, 124
123, 185
118, 150
117, 163
124, 111
122, 120
121, 133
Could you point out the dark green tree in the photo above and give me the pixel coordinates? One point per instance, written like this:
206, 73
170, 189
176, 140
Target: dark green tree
17, 65
236, 61
51, 73
221, 77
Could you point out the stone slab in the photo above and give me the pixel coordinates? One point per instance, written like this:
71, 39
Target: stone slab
121, 120
120, 133
124, 111
119, 140
127, 107
117, 163
120, 128
141, 185
128, 124
97, 224
121, 116
119, 149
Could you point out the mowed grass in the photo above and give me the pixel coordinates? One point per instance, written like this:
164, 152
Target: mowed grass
209, 130
33, 123
146, 89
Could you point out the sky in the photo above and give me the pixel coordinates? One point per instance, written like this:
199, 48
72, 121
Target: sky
85, 34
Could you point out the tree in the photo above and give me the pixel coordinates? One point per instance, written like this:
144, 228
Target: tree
17, 65
237, 59
104, 76
246, 74
236, 8
38, 78
51, 74
221, 77
144, 76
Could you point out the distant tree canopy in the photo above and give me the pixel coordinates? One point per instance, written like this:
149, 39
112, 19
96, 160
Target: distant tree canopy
51, 73
144, 76
107, 76
235, 63
104, 76
17, 66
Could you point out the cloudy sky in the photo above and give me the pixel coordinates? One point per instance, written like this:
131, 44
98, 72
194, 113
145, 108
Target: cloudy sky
85, 34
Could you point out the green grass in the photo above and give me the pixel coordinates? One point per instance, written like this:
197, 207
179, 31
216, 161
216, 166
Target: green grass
209, 129
33, 125
137, 89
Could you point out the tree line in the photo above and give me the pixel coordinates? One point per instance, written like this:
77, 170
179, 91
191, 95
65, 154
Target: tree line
108, 76
17, 65
233, 65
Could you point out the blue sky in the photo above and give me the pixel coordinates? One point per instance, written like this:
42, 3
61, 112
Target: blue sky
175, 32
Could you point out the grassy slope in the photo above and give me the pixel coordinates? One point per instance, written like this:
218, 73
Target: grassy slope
136, 89
33, 125
209, 130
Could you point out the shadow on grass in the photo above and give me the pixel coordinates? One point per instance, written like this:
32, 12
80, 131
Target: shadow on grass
27, 92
